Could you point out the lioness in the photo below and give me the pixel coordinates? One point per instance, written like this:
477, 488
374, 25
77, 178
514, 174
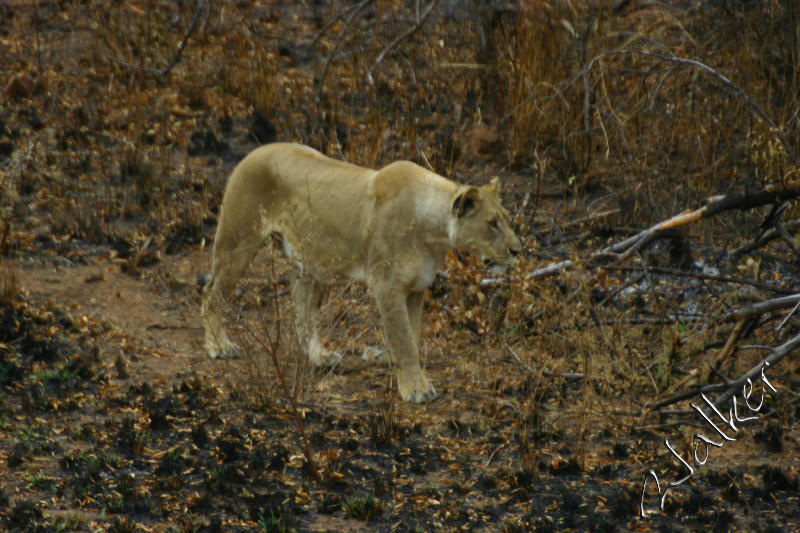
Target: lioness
337, 222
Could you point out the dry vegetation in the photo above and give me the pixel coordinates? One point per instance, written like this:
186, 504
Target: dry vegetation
119, 122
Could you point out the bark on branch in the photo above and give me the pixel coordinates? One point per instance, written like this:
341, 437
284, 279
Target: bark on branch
713, 206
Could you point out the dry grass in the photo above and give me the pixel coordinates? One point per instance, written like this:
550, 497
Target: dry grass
657, 125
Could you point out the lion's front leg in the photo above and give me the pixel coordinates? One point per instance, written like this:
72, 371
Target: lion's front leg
307, 295
414, 304
397, 311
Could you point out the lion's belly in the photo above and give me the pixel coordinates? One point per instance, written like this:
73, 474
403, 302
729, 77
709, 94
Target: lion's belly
324, 260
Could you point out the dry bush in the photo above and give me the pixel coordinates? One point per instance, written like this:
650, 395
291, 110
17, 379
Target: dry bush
145, 34
540, 51
279, 376
249, 72
656, 135
9, 287
660, 135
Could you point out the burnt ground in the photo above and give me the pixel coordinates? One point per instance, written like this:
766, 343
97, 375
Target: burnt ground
112, 418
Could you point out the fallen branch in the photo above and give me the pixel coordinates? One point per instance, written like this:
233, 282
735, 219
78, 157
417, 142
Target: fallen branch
767, 236
701, 275
776, 356
730, 345
566, 375
762, 307
420, 19
689, 394
713, 206
735, 386
784, 233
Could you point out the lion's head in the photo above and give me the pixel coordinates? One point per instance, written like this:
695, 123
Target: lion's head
480, 224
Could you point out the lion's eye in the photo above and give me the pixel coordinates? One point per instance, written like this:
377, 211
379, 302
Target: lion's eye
493, 224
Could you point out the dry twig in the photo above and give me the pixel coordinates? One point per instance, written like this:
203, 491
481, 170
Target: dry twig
334, 20
764, 238
420, 19
548, 373
165, 72
353, 12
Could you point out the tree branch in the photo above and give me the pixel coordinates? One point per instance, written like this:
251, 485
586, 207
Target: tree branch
420, 19
767, 236
713, 206
762, 307
181, 46
732, 388
702, 275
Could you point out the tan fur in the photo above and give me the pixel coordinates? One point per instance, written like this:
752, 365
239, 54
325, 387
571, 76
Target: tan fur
339, 222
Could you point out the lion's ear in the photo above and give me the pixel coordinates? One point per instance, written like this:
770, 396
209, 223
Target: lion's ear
494, 186
465, 202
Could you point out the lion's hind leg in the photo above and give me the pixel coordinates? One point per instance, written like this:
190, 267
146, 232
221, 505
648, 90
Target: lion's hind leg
307, 296
231, 257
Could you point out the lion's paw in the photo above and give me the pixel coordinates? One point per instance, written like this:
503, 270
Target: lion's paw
415, 388
376, 354
325, 359
230, 351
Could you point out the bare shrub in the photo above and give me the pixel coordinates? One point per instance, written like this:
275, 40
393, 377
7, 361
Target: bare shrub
574, 84
279, 374
249, 72
9, 288
534, 56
